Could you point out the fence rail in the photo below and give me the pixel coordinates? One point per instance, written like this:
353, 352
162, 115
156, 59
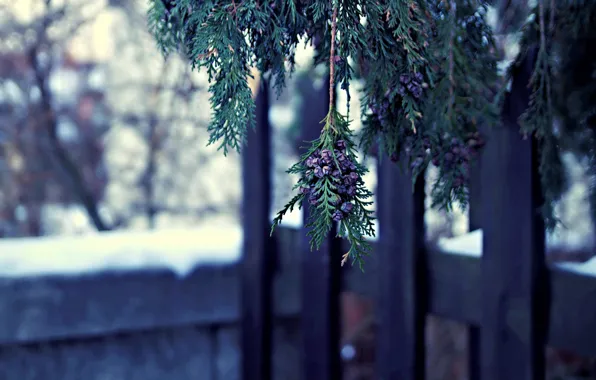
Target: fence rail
514, 303
195, 326
138, 324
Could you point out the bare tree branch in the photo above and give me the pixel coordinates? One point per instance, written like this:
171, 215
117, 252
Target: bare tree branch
58, 151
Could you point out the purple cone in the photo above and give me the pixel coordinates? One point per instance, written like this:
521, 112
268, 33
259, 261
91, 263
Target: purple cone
337, 216
347, 207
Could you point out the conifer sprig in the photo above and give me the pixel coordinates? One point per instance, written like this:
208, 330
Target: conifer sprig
538, 120
331, 178
429, 69
331, 183
228, 39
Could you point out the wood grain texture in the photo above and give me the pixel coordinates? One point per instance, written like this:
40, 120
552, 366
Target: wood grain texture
515, 290
401, 276
258, 248
474, 223
178, 354
454, 284
34, 309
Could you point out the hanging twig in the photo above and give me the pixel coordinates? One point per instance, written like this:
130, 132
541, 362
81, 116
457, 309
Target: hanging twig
332, 57
544, 53
551, 23
452, 11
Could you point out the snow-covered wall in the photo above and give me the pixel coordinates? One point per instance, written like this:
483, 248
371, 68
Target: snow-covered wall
143, 325
133, 306
179, 250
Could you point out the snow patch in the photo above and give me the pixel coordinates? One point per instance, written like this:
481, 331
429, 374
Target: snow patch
587, 268
178, 249
292, 219
470, 244
281, 116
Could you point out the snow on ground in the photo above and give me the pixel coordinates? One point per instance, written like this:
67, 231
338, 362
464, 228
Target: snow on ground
177, 249
470, 244
588, 268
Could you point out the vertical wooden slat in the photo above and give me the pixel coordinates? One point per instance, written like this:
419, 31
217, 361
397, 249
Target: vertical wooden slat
402, 302
513, 262
257, 262
475, 206
321, 270
474, 223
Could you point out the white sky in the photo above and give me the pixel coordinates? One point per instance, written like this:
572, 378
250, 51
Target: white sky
92, 42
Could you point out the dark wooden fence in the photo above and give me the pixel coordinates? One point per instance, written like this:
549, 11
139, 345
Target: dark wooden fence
514, 303
138, 324
150, 324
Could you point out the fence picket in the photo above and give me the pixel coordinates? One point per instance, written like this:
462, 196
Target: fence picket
401, 270
513, 266
321, 270
474, 223
258, 254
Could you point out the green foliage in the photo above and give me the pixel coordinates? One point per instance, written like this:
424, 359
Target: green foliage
165, 25
563, 101
431, 80
452, 48
325, 193
227, 38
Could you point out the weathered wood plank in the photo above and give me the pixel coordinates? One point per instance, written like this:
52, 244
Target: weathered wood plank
286, 351
33, 309
258, 251
321, 270
46, 308
181, 354
228, 353
513, 248
455, 292
572, 322
401, 301
474, 223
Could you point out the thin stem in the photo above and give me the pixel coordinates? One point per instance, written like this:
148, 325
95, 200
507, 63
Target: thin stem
552, 17
544, 51
332, 56
542, 26
453, 11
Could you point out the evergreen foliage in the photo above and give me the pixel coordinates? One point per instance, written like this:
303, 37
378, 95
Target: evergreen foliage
431, 79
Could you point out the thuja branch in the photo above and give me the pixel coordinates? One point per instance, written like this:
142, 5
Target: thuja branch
332, 186
332, 56
331, 179
453, 13
539, 118
429, 70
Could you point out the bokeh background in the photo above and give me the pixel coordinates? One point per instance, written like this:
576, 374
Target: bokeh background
99, 132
